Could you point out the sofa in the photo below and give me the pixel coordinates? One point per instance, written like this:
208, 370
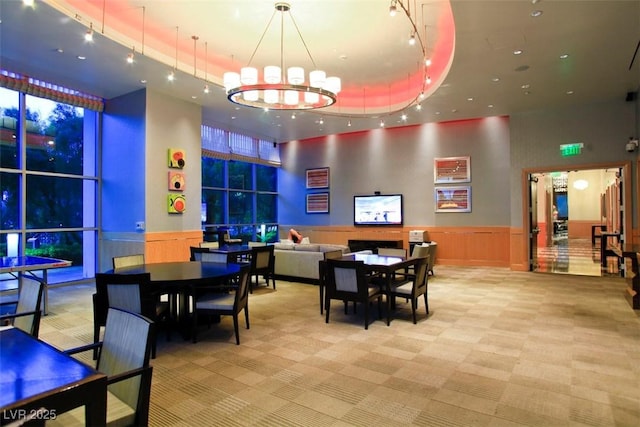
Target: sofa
299, 261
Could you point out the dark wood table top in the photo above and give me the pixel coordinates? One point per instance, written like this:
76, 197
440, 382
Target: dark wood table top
34, 374
182, 272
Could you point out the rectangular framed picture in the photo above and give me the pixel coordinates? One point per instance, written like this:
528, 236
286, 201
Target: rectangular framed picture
449, 170
317, 203
318, 178
452, 199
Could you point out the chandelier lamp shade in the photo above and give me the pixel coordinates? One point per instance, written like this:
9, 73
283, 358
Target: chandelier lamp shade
280, 88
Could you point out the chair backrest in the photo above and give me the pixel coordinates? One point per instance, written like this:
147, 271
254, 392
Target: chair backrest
262, 257
130, 292
242, 292
420, 251
127, 260
209, 244
420, 284
126, 346
29, 300
392, 252
346, 279
337, 254
204, 255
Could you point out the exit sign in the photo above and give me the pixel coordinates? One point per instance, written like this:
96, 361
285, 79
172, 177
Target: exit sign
567, 150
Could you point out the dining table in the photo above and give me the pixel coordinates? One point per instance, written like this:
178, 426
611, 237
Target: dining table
234, 252
19, 266
39, 382
181, 278
385, 266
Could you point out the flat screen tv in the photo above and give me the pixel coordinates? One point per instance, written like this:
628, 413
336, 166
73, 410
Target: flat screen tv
377, 209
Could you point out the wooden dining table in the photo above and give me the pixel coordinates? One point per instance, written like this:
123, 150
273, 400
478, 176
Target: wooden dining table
39, 382
386, 266
181, 278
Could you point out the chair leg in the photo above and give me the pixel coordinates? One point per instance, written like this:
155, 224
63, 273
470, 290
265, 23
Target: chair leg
414, 306
327, 307
194, 326
235, 327
390, 298
321, 291
426, 303
366, 315
246, 316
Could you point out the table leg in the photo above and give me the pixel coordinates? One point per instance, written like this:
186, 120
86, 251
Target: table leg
96, 406
45, 293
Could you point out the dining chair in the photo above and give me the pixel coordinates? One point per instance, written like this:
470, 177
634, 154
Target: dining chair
138, 259
263, 262
131, 292
322, 273
411, 287
203, 254
127, 260
28, 311
347, 280
214, 245
393, 252
218, 302
420, 251
123, 355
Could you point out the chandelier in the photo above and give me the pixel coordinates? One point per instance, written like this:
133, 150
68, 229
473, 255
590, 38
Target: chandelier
279, 90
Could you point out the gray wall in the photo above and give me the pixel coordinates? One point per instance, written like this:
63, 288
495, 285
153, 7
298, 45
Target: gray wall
604, 129
400, 160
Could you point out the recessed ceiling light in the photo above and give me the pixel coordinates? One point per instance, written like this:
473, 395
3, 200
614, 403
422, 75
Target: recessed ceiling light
143, 81
564, 56
81, 58
495, 79
569, 92
60, 50
470, 99
526, 92
525, 86
536, 13
517, 52
194, 97
490, 105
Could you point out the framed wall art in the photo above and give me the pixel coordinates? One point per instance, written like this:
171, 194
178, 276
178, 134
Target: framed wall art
318, 178
317, 203
177, 181
452, 199
448, 170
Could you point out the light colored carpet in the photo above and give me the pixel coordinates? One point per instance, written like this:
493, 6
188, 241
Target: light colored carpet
499, 348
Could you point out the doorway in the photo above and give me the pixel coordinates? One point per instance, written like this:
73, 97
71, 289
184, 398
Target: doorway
568, 210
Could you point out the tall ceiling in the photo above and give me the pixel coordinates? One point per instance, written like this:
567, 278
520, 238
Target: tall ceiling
474, 71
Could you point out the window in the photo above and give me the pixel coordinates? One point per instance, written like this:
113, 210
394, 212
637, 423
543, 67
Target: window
48, 182
239, 193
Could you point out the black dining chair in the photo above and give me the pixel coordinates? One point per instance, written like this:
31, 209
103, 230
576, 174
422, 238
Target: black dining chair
411, 287
205, 255
263, 261
123, 355
219, 301
27, 310
347, 280
131, 292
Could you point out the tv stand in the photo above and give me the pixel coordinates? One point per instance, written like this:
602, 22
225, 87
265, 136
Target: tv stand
356, 245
